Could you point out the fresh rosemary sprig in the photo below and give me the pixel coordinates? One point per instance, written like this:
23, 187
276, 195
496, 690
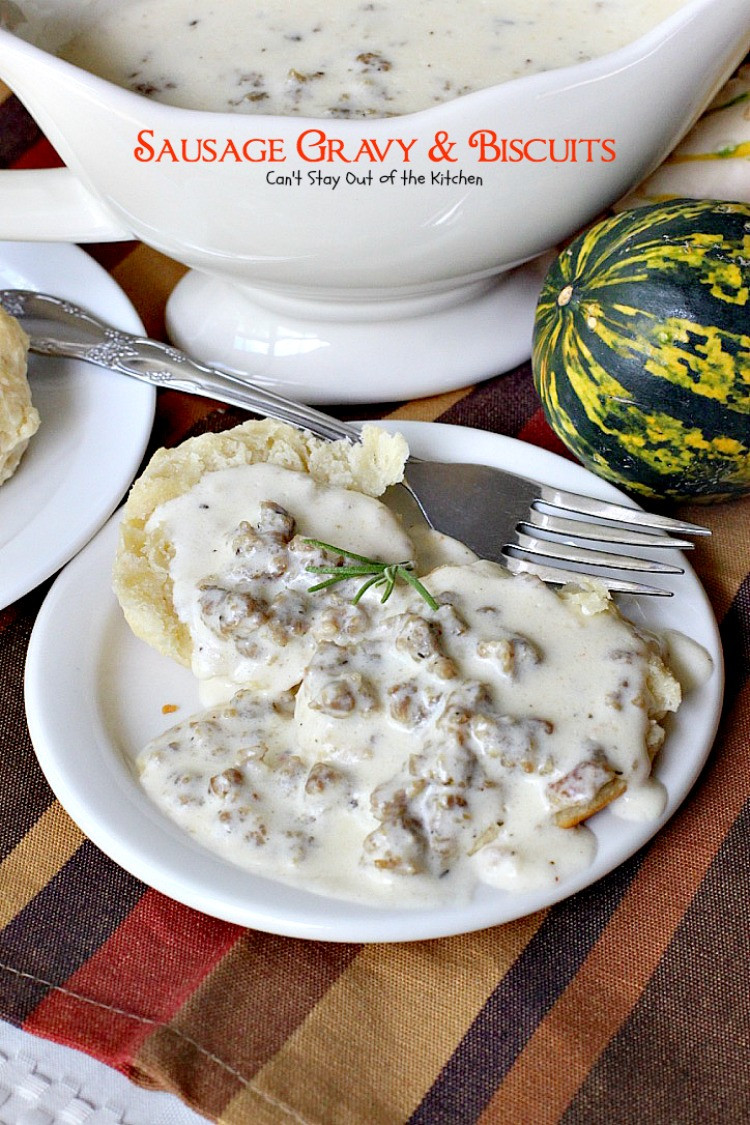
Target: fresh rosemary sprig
375, 574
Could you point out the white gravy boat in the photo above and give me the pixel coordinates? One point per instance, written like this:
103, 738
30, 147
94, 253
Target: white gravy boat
368, 291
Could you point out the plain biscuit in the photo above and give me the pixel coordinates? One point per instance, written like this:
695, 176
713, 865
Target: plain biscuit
19, 420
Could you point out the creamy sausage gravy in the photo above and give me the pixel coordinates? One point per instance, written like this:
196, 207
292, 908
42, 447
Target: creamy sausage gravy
393, 752
354, 58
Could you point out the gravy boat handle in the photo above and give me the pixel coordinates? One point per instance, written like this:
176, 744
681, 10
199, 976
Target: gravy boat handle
52, 205
45, 204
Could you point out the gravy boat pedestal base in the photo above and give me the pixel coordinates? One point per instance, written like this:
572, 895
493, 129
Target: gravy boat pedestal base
331, 352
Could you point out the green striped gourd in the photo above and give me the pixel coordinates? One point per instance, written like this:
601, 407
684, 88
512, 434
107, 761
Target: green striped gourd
641, 352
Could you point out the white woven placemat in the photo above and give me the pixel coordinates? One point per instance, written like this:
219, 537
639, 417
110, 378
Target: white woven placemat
42, 1083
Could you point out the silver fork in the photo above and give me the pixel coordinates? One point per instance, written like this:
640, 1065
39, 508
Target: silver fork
525, 525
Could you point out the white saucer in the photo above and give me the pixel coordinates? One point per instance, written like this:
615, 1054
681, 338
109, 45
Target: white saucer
94, 426
337, 353
94, 697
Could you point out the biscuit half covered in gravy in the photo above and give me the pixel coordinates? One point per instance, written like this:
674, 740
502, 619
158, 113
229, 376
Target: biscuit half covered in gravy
19, 420
212, 563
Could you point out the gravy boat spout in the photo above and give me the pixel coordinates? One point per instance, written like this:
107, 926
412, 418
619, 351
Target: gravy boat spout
403, 278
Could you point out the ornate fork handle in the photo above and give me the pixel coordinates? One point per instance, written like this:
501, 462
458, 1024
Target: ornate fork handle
80, 335
57, 327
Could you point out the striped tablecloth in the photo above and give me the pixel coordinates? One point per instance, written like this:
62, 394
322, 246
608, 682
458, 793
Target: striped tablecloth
628, 1003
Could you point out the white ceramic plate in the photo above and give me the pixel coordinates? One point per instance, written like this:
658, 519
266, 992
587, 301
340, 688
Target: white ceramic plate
94, 426
94, 697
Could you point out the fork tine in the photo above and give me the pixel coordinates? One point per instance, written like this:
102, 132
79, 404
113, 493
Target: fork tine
585, 556
556, 575
607, 533
603, 509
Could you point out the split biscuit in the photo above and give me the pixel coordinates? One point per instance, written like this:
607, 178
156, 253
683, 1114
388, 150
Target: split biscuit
141, 575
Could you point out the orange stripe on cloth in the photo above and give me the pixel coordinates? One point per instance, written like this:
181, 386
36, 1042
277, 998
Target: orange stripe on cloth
428, 409
148, 278
423, 994
568, 1042
721, 561
241, 1015
36, 859
135, 981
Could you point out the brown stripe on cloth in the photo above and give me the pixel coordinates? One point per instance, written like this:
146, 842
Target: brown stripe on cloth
503, 404
424, 994
18, 131
45, 848
24, 794
240, 1016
